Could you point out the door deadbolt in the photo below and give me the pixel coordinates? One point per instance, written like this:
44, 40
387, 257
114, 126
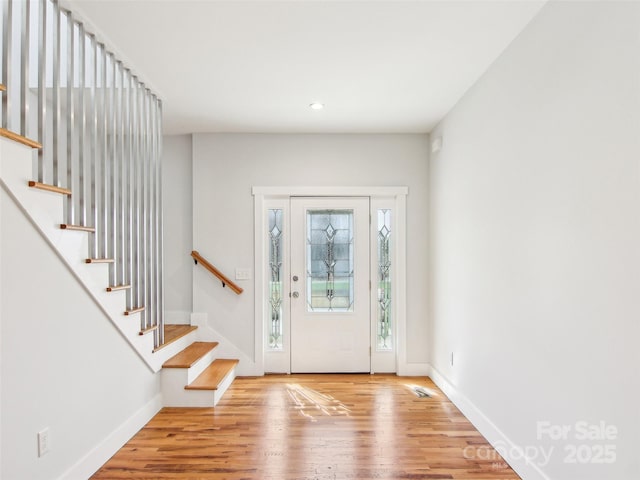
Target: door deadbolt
295, 278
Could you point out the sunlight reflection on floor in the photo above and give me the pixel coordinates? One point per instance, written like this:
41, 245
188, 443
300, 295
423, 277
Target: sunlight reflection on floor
313, 404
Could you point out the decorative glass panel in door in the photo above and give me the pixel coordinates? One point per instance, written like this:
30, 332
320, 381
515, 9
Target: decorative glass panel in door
330, 301
384, 327
274, 294
330, 260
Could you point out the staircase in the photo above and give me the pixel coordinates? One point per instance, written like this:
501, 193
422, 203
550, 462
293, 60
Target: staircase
191, 375
194, 378
91, 184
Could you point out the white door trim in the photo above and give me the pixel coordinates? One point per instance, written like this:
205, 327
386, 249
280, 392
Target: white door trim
278, 197
330, 191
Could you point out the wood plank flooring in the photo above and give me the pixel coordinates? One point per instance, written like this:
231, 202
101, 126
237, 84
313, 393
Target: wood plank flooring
312, 427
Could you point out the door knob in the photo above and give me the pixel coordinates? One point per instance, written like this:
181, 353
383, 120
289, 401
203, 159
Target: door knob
295, 294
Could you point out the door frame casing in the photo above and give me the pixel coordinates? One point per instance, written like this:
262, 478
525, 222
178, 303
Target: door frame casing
278, 197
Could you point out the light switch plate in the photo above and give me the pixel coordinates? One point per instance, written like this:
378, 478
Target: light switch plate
243, 274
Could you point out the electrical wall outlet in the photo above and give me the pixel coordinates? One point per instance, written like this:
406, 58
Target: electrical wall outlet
44, 442
452, 359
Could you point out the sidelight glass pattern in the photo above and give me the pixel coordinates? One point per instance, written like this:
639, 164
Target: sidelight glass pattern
274, 295
385, 340
329, 260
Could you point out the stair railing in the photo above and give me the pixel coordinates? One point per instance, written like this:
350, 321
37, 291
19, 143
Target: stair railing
217, 273
99, 128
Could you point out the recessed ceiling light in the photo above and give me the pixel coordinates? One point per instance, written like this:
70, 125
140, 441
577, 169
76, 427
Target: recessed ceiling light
316, 106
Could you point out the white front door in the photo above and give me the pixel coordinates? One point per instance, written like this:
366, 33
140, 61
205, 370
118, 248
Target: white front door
330, 304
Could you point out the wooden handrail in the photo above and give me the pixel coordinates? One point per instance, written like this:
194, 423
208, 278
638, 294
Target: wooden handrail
221, 276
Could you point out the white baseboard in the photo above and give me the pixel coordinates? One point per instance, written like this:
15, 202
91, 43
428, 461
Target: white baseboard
414, 370
526, 469
102, 452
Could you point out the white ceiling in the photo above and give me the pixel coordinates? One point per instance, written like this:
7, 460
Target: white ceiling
255, 66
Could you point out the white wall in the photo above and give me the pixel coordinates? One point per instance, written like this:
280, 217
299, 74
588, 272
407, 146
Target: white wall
63, 363
177, 217
226, 166
535, 239
1, 334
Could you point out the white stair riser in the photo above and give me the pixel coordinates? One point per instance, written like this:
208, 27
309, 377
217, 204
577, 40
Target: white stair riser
199, 367
175, 395
226, 383
172, 382
170, 350
175, 379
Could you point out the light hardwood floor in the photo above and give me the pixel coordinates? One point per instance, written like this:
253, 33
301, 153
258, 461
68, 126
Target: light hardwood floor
312, 427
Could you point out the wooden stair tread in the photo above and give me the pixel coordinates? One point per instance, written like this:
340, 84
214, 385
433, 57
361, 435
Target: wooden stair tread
134, 310
79, 228
99, 260
173, 332
148, 330
16, 137
49, 188
113, 288
213, 375
190, 355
